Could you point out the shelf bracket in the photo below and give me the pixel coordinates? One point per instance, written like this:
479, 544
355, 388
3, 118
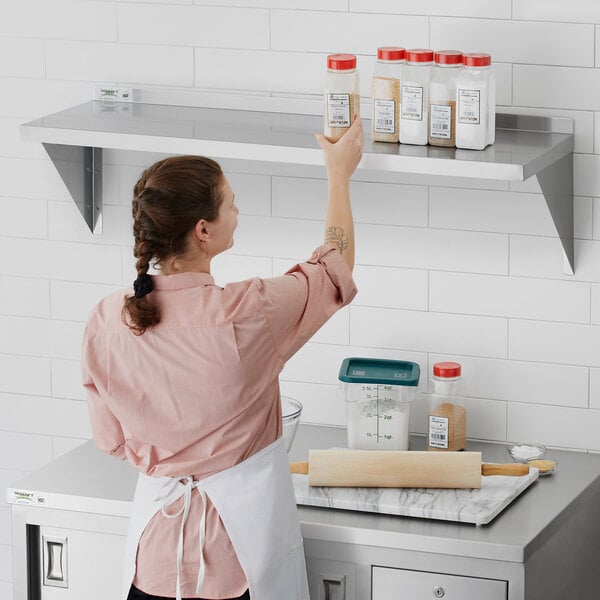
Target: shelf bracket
80, 168
556, 183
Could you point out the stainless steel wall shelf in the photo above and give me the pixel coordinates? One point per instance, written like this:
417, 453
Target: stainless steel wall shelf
525, 147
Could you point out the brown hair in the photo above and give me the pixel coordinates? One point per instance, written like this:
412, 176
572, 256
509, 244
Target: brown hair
169, 198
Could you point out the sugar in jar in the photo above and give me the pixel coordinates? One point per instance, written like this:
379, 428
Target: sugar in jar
342, 99
475, 103
414, 96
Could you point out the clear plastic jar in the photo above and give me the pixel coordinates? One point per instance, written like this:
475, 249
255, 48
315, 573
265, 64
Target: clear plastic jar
475, 103
342, 99
442, 97
414, 96
447, 418
385, 94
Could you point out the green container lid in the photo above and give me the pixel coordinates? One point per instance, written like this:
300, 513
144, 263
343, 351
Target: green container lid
379, 370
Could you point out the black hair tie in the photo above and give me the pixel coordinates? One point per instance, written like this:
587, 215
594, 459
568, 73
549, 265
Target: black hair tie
142, 285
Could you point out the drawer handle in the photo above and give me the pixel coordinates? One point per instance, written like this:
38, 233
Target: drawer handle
54, 552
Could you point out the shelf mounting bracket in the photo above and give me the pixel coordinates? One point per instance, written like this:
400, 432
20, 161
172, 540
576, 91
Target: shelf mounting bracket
556, 183
80, 168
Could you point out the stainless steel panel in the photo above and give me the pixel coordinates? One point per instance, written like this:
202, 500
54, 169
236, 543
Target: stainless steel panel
397, 584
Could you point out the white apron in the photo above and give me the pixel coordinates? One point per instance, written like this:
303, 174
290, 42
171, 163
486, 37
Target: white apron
255, 500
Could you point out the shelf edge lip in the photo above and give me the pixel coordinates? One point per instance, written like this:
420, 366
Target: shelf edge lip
391, 163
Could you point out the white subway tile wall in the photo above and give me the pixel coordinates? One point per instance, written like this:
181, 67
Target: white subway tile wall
447, 269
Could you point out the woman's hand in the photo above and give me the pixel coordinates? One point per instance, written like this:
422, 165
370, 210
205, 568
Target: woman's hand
342, 157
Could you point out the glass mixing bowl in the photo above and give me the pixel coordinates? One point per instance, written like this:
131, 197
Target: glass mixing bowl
290, 413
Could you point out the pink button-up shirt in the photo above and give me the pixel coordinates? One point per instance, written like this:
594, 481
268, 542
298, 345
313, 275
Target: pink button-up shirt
199, 393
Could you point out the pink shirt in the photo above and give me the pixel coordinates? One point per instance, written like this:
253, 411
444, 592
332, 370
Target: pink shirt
199, 393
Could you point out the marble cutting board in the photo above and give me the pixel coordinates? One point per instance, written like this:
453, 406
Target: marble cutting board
477, 506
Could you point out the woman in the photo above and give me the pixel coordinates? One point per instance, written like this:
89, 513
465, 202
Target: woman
182, 381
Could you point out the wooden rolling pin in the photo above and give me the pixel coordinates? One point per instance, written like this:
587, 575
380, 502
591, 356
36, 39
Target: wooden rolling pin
402, 469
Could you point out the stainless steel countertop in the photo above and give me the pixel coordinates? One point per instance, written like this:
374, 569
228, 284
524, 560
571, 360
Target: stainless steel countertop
86, 480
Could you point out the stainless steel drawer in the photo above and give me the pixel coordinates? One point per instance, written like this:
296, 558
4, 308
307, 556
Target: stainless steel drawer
401, 584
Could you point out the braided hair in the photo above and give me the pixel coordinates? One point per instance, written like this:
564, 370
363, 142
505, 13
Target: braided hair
169, 198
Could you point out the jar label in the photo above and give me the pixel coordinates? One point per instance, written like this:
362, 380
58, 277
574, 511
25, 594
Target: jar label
469, 107
412, 102
385, 113
338, 110
440, 121
438, 431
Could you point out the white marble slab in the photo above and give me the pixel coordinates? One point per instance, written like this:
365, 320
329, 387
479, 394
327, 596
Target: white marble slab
477, 506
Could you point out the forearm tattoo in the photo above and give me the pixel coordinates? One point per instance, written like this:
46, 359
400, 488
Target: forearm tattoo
338, 237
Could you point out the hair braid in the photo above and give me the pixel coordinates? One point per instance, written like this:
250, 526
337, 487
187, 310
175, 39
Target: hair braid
169, 198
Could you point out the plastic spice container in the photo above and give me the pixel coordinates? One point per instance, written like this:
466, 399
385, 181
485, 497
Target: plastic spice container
342, 99
385, 94
442, 97
475, 103
414, 96
447, 419
378, 394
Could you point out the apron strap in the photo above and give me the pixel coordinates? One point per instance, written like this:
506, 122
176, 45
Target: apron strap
169, 493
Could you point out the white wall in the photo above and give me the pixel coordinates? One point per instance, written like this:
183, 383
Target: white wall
468, 273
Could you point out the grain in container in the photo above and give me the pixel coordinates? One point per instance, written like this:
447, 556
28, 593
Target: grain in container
447, 416
475, 103
442, 97
342, 99
414, 96
378, 394
385, 94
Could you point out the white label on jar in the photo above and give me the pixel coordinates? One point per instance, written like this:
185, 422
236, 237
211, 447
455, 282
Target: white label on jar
385, 114
440, 121
469, 107
338, 110
412, 102
438, 432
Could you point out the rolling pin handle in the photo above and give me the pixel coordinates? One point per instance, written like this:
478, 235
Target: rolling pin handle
512, 469
299, 467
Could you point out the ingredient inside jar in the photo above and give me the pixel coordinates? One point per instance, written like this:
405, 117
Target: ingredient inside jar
386, 101
442, 117
447, 427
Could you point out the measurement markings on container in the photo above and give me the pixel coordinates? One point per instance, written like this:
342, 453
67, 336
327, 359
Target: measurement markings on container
376, 394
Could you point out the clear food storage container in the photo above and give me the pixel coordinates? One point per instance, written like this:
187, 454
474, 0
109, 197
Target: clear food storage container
342, 97
378, 394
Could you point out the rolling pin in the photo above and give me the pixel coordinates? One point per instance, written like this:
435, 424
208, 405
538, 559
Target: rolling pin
401, 469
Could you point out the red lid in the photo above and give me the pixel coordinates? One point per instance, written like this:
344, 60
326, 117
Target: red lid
448, 57
447, 369
419, 55
390, 53
341, 62
477, 59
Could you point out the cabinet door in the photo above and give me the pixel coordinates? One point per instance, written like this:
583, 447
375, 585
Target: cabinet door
78, 565
400, 584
